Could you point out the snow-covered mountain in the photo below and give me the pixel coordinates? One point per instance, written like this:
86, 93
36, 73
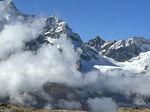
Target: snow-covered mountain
94, 52
121, 50
56, 28
95, 43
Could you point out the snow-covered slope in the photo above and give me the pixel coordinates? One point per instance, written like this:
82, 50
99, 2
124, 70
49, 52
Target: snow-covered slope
139, 65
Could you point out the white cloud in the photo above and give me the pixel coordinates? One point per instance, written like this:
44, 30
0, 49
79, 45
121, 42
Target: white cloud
102, 105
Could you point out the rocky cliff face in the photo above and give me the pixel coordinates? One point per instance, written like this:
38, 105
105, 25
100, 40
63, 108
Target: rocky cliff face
95, 43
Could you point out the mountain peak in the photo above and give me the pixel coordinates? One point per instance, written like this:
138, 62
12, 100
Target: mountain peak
56, 28
54, 18
95, 43
8, 3
98, 38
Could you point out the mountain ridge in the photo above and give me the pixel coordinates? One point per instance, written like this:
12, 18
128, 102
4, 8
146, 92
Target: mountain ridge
121, 50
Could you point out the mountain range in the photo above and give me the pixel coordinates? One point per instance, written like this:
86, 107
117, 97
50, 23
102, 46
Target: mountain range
128, 56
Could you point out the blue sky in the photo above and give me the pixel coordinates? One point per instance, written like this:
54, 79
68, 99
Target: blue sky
110, 19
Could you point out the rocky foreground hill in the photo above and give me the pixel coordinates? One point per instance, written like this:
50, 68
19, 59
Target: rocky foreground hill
15, 108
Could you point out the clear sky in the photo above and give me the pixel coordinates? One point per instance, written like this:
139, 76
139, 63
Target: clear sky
110, 19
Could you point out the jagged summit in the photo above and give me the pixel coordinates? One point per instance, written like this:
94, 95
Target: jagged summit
9, 8
57, 28
95, 43
55, 18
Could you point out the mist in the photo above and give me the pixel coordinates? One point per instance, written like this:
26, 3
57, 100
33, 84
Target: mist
102, 104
